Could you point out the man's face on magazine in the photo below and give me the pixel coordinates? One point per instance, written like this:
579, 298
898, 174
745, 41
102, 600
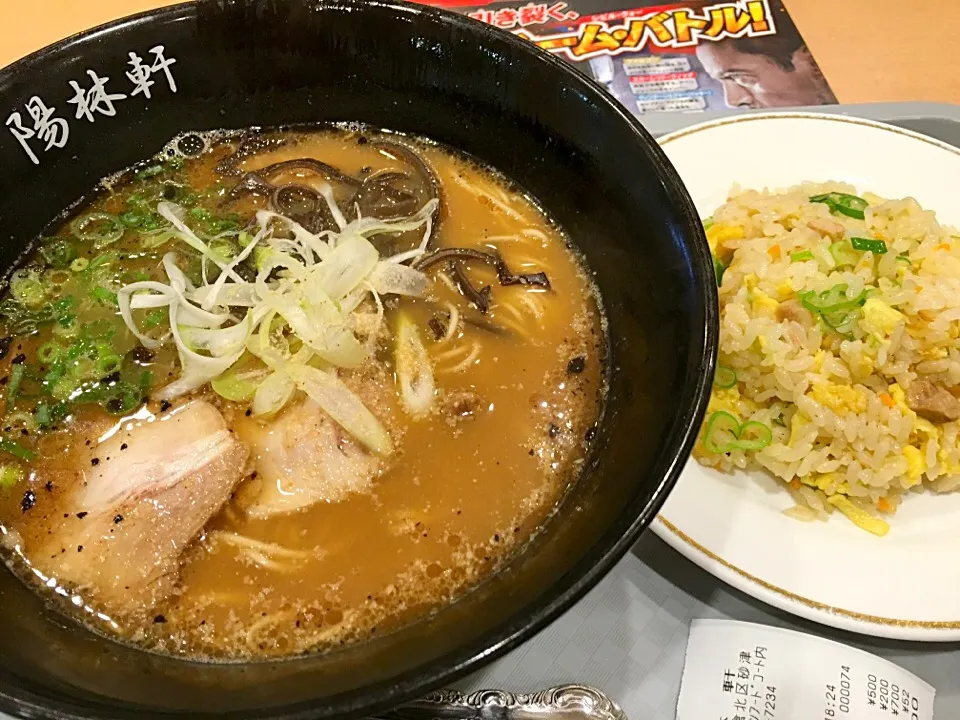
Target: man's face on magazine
757, 81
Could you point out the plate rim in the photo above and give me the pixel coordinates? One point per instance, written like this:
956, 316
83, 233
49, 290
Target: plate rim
794, 603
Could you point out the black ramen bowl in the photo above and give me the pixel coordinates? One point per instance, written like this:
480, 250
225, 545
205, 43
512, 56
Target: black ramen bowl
412, 69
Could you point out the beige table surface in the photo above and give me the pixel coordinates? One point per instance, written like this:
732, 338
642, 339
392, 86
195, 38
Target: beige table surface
869, 50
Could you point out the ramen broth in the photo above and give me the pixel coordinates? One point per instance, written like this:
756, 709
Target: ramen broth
290, 531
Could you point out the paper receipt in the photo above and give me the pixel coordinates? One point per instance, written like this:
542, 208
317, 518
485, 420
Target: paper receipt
742, 671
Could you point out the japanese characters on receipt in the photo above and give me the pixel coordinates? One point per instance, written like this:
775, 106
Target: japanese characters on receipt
742, 671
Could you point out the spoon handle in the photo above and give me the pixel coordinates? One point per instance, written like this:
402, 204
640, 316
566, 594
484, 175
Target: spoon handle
565, 702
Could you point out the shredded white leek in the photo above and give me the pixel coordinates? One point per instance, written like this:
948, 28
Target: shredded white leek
414, 371
340, 403
308, 291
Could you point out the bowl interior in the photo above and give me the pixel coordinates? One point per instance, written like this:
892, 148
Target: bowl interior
459, 82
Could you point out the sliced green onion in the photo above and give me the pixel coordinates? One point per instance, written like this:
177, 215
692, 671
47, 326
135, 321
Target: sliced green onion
851, 206
102, 330
56, 278
843, 254
16, 450
823, 301
842, 320
832, 300
725, 377
707, 223
132, 218
79, 347
754, 436
79, 350
139, 200
108, 364
18, 421
877, 247
718, 269
724, 434
222, 225
156, 238
720, 436
62, 310
142, 220
842, 203
108, 297
151, 223
125, 397
100, 261
49, 353
117, 397
223, 250
835, 309
59, 253
801, 256
10, 475
67, 332
99, 228
261, 256
42, 415
17, 372
63, 388
153, 318
57, 371
28, 290
240, 381
188, 199
213, 225
79, 265
67, 321
904, 258
149, 172
83, 368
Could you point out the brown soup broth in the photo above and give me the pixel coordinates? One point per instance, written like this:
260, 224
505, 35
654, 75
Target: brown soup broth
519, 388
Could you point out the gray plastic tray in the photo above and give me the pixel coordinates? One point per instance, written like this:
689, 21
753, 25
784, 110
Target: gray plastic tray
939, 120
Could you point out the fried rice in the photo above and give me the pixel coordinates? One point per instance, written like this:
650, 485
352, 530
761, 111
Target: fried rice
839, 366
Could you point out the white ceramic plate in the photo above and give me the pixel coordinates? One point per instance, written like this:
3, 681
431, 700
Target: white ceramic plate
905, 585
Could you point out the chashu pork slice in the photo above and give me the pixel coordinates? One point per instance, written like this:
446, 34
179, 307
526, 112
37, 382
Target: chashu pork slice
146, 494
303, 457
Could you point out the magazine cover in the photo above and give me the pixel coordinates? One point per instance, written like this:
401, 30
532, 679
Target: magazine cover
679, 57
